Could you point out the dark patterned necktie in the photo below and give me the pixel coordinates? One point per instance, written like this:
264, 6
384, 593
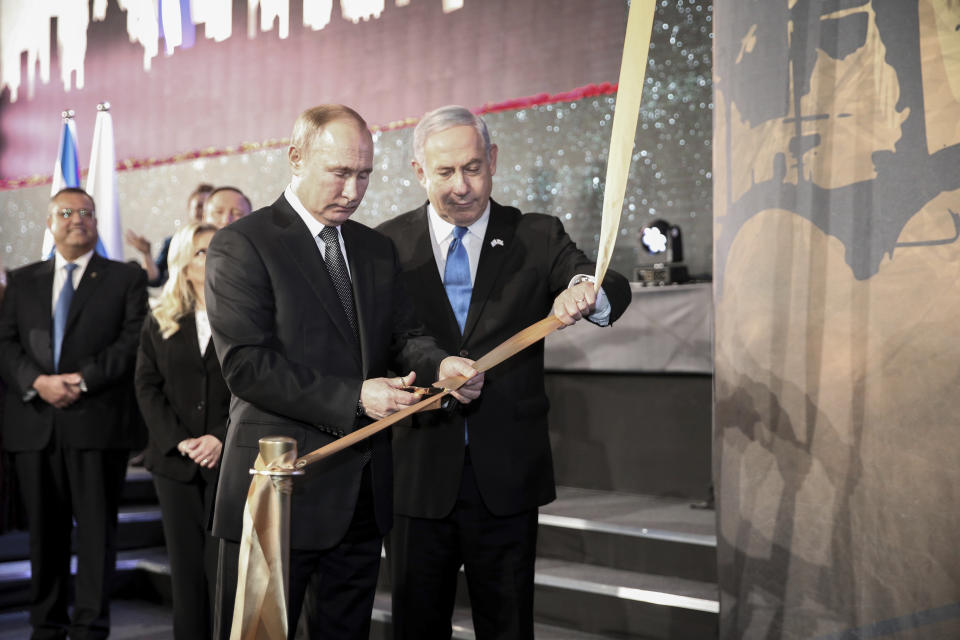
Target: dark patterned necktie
60, 313
337, 269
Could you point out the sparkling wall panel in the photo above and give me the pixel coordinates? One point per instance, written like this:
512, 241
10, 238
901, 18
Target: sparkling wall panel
552, 159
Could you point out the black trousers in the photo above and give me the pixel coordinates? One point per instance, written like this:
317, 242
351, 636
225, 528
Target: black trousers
192, 552
59, 485
497, 553
331, 591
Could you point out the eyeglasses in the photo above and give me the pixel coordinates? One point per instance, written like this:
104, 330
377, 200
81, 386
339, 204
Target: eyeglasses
83, 213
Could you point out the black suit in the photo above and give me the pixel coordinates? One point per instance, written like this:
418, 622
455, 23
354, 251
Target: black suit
182, 395
294, 367
507, 470
72, 460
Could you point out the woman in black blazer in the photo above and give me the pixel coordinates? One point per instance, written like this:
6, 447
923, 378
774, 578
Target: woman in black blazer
185, 403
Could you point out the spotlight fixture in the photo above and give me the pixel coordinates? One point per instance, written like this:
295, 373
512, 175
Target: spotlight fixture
660, 259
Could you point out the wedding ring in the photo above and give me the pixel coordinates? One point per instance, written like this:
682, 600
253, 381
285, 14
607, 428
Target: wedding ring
204, 461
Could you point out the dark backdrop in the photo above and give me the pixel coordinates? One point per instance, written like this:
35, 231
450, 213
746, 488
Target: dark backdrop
837, 192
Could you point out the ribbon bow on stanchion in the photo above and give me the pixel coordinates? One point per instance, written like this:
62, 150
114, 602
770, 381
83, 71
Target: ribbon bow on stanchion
260, 609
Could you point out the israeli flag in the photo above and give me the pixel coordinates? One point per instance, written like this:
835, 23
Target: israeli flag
66, 172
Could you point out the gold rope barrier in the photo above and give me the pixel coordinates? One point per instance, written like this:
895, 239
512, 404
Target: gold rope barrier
263, 617
361, 434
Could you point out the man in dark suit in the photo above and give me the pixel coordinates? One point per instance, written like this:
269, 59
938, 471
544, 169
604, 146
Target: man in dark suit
68, 340
307, 317
468, 484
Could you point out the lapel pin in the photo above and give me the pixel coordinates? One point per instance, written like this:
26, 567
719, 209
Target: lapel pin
496, 242
93, 274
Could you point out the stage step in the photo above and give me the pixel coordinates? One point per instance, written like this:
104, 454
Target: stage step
130, 619
138, 526
138, 488
137, 575
138, 519
648, 534
613, 565
624, 604
609, 565
462, 625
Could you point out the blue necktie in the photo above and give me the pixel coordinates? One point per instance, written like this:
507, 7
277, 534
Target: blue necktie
456, 280
60, 313
456, 277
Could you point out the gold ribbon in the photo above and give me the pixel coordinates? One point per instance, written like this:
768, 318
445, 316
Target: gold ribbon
354, 437
260, 611
633, 69
260, 607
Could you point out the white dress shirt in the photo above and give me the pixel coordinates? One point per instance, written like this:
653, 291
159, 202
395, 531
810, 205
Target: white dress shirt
315, 226
441, 235
203, 329
60, 274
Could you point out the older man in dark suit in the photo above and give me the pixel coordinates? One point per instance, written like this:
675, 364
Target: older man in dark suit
469, 483
69, 329
307, 316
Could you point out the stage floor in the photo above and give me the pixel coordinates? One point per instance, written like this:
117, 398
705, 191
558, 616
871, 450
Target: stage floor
130, 620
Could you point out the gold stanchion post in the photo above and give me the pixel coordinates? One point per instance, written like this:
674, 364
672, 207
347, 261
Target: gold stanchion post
260, 609
276, 448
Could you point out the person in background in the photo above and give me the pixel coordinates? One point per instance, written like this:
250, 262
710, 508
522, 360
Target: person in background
184, 402
69, 329
225, 205
468, 483
157, 269
11, 509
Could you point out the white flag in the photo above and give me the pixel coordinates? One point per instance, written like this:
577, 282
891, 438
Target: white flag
102, 184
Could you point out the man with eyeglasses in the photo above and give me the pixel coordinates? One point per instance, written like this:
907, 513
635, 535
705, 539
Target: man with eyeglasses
69, 329
225, 205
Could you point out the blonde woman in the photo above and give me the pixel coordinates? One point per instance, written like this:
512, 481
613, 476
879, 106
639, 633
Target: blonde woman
184, 402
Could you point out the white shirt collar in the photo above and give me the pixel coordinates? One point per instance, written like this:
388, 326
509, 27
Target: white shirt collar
202, 322
60, 262
314, 225
442, 229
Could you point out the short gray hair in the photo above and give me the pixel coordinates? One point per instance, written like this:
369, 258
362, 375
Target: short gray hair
311, 122
446, 118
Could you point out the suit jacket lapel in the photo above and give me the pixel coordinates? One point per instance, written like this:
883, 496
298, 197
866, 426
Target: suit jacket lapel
41, 332
93, 275
188, 328
304, 251
427, 274
361, 276
492, 258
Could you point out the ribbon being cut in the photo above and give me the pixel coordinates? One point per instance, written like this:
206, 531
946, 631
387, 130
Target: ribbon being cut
261, 601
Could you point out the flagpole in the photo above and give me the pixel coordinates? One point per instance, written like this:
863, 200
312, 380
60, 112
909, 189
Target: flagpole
102, 185
66, 171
